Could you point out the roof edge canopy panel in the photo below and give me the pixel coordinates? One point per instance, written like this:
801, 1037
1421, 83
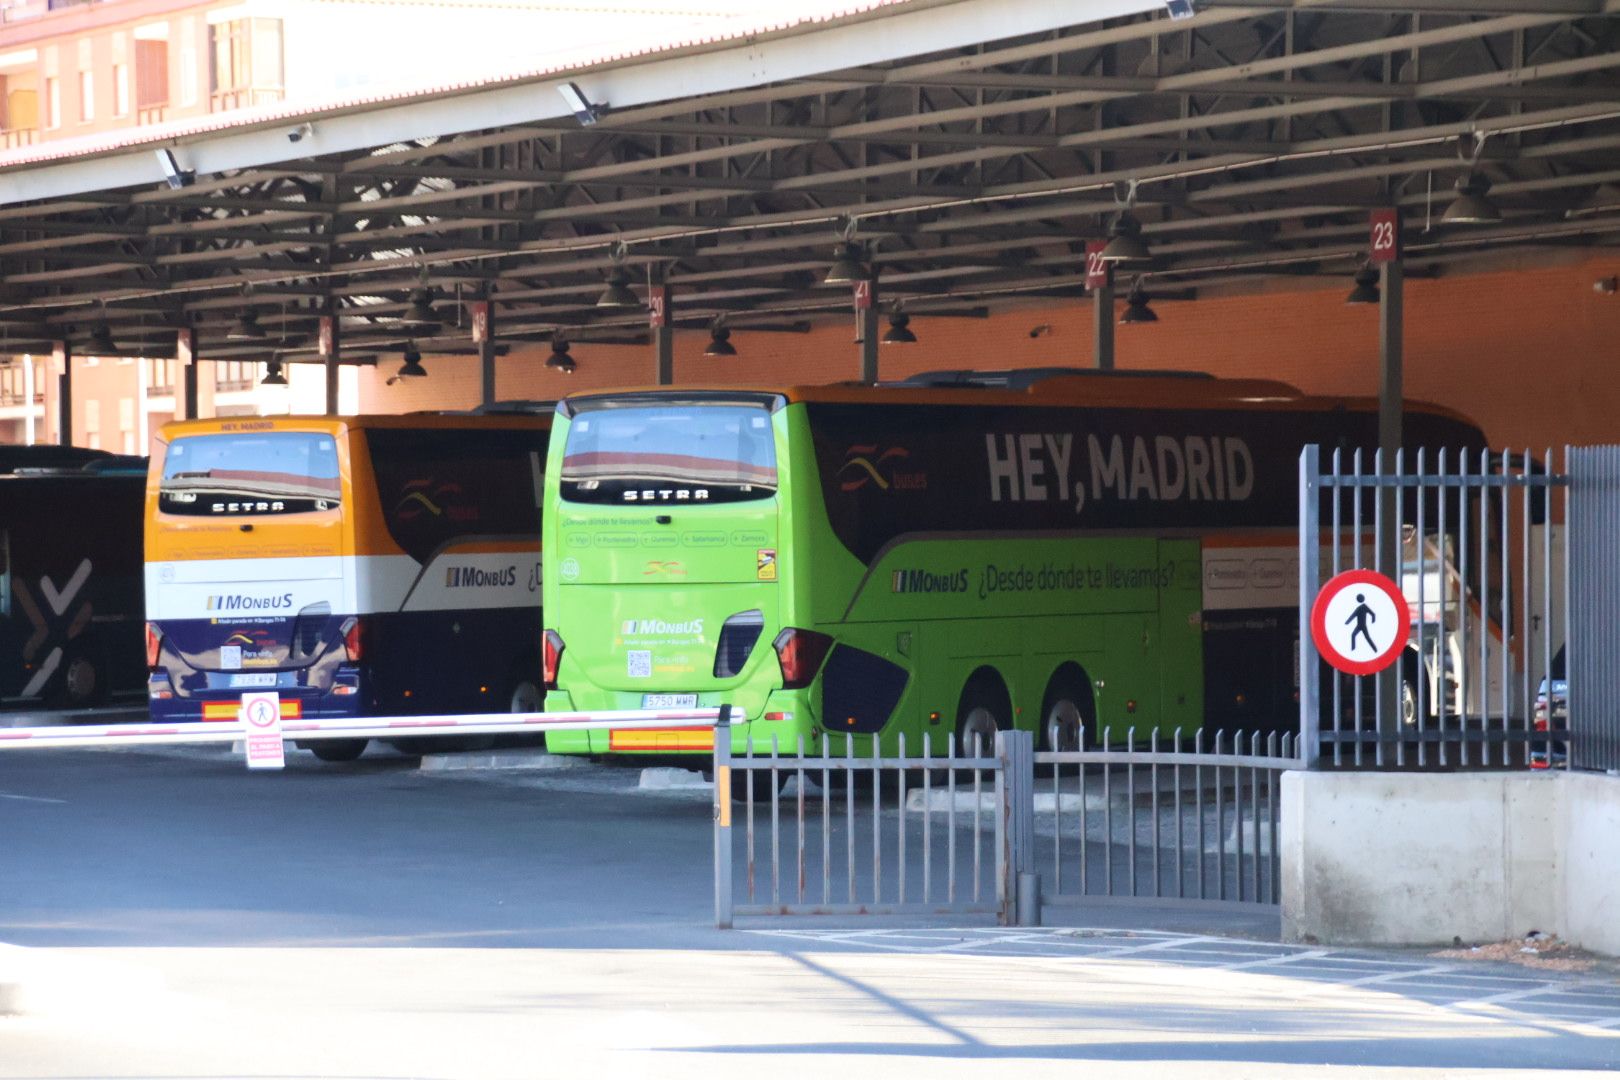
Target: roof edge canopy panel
960, 153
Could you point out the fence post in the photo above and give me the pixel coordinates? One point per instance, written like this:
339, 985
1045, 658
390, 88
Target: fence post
722, 819
1015, 826
1310, 579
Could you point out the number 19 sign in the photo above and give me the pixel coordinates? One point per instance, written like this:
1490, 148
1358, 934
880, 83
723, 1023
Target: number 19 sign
1360, 622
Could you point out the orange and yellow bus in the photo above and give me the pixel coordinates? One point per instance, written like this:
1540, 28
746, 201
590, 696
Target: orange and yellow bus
358, 566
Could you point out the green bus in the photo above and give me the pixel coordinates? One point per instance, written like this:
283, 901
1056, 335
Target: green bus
1063, 551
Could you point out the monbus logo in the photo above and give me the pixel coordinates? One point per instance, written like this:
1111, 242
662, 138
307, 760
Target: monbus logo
927, 582
659, 626
472, 577
243, 602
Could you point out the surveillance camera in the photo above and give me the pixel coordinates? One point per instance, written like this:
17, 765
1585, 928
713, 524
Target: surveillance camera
301, 132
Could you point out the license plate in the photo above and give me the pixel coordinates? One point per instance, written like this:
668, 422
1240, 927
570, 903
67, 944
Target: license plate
668, 701
264, 678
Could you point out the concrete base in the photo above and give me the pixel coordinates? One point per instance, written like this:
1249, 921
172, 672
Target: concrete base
1426, 858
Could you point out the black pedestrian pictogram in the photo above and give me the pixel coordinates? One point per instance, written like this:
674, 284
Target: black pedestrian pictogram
1361, 616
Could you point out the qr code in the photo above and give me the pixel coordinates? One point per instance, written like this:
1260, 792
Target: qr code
638, 663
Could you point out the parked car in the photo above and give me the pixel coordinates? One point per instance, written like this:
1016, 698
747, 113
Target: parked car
1552, 714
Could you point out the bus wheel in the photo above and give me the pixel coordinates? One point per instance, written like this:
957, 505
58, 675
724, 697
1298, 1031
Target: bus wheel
337, 750
526, 697
81, 685
1068, 714
983, 711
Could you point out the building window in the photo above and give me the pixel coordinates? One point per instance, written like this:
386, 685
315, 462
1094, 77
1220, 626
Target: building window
120, 89
19, 106
53, 103
244, 63
152, 75
126, 414
92, 416
159, 377
232, 375
87, 96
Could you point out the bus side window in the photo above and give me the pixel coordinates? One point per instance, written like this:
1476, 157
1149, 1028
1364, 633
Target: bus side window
5, 573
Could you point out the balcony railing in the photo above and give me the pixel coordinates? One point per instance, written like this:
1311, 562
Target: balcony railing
12, 138
152, 114
246, 98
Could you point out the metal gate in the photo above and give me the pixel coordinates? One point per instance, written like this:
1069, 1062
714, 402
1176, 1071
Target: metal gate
1592, 693
1477, 544
1174, 819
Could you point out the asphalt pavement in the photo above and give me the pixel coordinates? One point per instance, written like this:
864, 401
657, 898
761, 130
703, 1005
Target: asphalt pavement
167, 913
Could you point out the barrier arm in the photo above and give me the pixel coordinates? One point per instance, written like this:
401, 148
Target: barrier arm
213, 731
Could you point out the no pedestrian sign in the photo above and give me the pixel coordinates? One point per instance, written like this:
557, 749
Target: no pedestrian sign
261, 735
1360, 622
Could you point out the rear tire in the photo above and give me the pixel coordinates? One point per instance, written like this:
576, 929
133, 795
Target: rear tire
337, 750
982, 711
1068, 713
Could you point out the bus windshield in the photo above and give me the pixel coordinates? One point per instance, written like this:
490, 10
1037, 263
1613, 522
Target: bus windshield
670, 453
271, 472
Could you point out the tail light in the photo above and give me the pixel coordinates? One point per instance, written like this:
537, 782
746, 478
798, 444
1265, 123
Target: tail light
551, 658
800, 653
154, 645
354, 639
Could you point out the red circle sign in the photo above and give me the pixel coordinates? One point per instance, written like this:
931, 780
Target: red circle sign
262, 714
1360, 622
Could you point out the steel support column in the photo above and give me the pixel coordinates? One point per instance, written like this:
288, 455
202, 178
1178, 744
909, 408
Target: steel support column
332, 342
1102, 323
660, 317
63, 354
866, 327
185, 351
1391, 330
484, 332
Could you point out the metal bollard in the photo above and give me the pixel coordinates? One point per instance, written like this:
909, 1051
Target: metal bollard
1029, 899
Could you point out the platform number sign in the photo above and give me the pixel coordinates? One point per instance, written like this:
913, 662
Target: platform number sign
1384, 236
1096, 268
863, 295
658, 306
1360, 622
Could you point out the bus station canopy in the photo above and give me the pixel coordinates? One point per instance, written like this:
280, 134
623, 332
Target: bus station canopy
968, 149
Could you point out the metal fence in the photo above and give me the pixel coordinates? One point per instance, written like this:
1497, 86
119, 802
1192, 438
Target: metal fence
921, 833
1476, 544
943, 833
1591, 697
1176, 819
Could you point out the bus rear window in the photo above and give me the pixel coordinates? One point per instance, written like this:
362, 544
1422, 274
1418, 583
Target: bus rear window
270, 472
670, 453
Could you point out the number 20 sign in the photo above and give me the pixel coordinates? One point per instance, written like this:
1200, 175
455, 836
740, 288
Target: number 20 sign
1384, 238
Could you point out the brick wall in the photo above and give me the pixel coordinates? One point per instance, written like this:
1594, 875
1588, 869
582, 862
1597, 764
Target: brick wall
1530, 354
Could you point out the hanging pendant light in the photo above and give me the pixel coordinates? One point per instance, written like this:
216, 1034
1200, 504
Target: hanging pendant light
848, 265
1125, 245
1366, 289
101, 339
247, 327
559, 360
719, 340
422, 311
1136, 306
412, 367
1472, 206
618, 294
899, 331
273, 375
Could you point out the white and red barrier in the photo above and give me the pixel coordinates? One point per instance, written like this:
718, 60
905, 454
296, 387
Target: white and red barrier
212, 731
